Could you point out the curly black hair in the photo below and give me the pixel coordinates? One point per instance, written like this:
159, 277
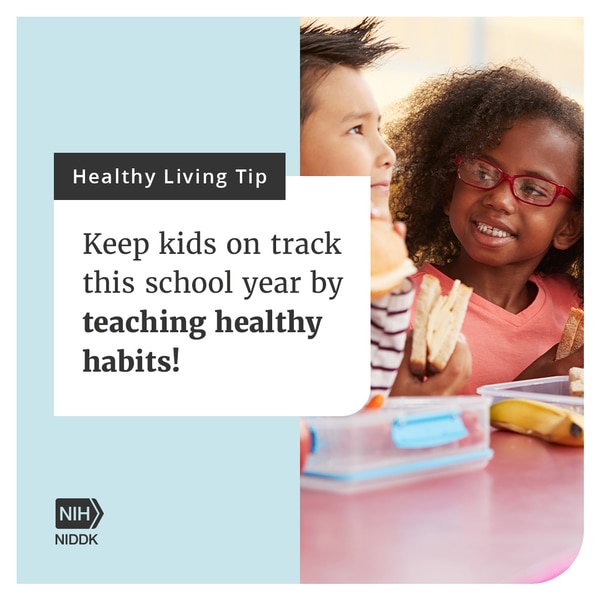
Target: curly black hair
461, 113
323, 47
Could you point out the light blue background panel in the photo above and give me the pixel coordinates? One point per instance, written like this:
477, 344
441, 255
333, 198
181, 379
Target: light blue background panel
185, 500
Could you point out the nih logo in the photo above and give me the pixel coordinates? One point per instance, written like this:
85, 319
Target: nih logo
77, 513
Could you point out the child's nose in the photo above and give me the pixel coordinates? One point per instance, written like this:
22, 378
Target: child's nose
501, 197
387, 155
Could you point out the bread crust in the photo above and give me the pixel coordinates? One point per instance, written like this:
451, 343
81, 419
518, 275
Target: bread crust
429, 293
453, 314
572, 335
437, 325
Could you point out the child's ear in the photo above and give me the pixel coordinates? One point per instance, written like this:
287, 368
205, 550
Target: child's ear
570, 232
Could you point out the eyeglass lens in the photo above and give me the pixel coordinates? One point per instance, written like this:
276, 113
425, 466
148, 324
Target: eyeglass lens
527, 188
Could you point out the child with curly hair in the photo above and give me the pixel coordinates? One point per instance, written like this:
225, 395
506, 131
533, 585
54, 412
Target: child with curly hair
340, 135
489, 182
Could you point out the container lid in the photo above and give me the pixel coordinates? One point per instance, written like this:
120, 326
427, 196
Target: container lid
544, 389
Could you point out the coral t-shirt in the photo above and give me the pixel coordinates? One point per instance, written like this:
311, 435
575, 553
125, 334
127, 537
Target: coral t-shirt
502, 343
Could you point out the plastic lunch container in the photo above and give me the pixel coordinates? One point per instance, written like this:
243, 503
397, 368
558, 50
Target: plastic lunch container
554, 390
410, 438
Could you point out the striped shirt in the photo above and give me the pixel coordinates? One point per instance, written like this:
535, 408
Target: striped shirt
390, 319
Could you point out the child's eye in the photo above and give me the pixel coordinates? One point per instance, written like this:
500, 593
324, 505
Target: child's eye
356, 129
482, 171
533, 188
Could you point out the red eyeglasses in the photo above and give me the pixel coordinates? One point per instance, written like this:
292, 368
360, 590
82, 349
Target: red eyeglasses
483, 175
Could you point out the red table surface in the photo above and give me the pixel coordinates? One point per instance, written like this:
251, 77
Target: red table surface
519, 519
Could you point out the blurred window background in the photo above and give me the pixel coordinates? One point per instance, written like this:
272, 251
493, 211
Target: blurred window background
553, 46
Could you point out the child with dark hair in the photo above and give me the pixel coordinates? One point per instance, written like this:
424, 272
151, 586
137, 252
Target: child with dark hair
339, 117
340, 135
489, 182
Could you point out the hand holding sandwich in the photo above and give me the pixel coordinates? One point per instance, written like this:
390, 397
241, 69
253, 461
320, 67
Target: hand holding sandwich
563, 356
392, 296
447, 382
437, 360
390, 263
438, 366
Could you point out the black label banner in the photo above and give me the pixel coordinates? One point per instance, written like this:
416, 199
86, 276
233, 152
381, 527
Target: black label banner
169, 176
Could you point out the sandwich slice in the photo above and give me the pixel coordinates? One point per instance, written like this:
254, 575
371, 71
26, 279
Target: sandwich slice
576, 381
437, 325
572, 335
390, 264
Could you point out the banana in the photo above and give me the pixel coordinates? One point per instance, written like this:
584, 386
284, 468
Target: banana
540, 419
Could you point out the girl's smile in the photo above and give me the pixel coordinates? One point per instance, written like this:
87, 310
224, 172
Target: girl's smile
493, 235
